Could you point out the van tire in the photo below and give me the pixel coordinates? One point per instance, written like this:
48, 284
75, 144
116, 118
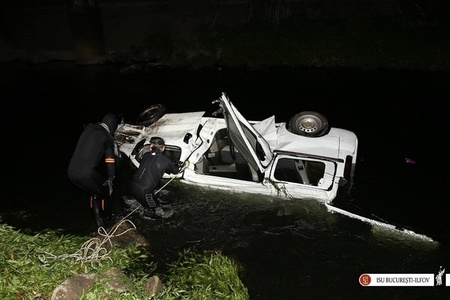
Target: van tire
309, 123
151, 114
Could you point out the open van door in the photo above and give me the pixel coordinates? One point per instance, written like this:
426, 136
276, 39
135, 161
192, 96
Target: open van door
243, 136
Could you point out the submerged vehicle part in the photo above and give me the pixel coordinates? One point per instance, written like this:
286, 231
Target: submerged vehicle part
302, 160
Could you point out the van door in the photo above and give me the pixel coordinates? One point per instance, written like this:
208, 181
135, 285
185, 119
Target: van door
248, 141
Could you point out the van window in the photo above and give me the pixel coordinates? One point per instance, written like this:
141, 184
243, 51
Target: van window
299, 171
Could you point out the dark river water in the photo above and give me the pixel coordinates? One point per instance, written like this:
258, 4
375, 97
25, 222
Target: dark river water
287, 249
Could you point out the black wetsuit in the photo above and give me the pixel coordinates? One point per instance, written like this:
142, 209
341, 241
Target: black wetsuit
151, 169
93, 161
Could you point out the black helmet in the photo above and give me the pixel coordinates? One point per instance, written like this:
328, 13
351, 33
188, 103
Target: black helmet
157, 141
110, 120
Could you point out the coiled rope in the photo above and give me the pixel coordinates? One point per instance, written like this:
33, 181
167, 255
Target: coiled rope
96, 249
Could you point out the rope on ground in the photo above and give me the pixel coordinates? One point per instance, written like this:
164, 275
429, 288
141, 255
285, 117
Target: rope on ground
93, 250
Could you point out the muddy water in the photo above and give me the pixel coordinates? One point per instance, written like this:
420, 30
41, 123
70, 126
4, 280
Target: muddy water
286, 249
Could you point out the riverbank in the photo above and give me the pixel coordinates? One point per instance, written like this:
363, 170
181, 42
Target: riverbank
148, 34
104, 267
391, 44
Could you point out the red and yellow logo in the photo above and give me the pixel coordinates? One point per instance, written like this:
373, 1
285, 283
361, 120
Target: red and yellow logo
365, 279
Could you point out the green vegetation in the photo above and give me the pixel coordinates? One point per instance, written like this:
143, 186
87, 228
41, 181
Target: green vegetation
32, 266
205, 277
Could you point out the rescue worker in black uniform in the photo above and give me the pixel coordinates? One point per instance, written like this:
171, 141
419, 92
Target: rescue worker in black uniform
151, 169
92, 166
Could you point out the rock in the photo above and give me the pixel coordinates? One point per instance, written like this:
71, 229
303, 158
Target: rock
116, 280
124, 234
73, 287
154, 286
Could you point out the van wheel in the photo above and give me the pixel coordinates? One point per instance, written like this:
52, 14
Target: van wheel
151, 114
309, 123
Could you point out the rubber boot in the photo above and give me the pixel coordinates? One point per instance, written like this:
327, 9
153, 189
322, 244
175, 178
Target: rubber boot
107, 211
96, 208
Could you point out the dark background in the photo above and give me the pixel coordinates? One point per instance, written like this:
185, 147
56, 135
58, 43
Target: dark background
399, 34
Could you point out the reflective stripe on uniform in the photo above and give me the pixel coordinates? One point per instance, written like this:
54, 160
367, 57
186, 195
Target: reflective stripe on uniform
110, 160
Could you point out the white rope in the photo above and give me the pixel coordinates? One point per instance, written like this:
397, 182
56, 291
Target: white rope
93, 250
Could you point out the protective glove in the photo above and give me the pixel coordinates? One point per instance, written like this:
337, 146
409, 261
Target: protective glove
109, 183
183, 165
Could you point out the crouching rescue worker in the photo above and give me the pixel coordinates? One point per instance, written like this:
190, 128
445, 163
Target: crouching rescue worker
92, 166
151, 169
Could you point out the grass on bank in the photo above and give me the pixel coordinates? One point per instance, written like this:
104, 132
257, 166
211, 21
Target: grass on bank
28, 272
